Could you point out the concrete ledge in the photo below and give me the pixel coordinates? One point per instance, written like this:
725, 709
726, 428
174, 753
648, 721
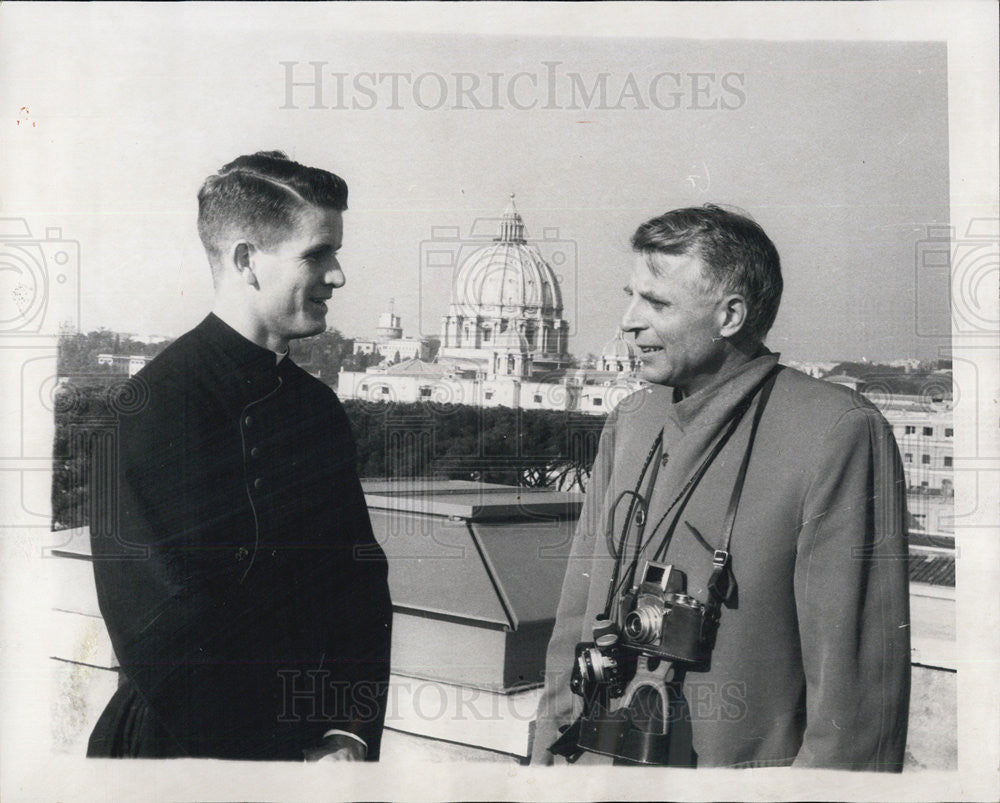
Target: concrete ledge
462, 715
928, 590
933, 654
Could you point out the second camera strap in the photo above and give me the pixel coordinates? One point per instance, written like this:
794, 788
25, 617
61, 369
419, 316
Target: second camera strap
720, 585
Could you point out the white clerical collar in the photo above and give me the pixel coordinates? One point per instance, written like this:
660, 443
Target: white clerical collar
280, 357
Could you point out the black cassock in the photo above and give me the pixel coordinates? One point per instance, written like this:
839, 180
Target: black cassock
245, 595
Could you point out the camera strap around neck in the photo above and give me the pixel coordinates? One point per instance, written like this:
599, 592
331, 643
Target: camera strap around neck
682, 498
720, 572
720, 585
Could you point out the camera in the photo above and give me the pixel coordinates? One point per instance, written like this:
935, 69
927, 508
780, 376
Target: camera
630, 679
601, 668
663, 621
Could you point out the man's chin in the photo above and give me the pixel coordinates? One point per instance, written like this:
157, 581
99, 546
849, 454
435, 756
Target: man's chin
309, 330
654, 376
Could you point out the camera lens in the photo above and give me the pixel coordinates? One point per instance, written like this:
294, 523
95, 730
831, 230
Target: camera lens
643, 624
597, 664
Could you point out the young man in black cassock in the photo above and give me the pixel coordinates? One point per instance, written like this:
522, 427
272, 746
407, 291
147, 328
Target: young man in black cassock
245, 595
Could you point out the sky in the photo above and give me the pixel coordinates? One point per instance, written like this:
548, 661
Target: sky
838, 149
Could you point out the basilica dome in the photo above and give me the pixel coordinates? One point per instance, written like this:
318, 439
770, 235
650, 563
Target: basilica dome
506, 297
508, 277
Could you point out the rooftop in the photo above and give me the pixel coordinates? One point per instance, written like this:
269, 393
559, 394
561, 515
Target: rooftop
933, 569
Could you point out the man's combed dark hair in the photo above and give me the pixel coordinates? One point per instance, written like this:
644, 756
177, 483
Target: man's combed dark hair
260, 197
737, 253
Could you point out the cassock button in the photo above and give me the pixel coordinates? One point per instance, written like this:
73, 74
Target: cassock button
254, 451
242, 552
258, 483
248, 421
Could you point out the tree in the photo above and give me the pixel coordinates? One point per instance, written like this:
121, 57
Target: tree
525, 448
77, 352
84, 432
322, 354
360, 361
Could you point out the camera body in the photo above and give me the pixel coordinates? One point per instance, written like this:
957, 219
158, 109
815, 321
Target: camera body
661, 622
664, 622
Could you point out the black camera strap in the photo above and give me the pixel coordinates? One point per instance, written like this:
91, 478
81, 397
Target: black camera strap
637, 501
619, 578
689, 487
720, 572
720, 586
688, 490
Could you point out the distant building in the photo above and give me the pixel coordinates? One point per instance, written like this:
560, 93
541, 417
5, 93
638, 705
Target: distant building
506, 301
149, 340
924, 431
817, 370
131, 364
926, 445
389, 342
925, 434
503, 341
620, 356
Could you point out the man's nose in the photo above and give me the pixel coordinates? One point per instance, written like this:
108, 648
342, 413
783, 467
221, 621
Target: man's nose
631, 322
335, 275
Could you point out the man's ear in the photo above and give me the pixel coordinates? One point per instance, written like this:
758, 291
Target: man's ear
733, 315
242, 261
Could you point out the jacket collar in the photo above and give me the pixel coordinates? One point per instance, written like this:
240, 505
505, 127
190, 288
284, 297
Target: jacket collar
712, 405
234, 345
242, 367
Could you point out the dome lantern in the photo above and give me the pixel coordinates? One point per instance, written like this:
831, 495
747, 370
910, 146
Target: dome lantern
511, 225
